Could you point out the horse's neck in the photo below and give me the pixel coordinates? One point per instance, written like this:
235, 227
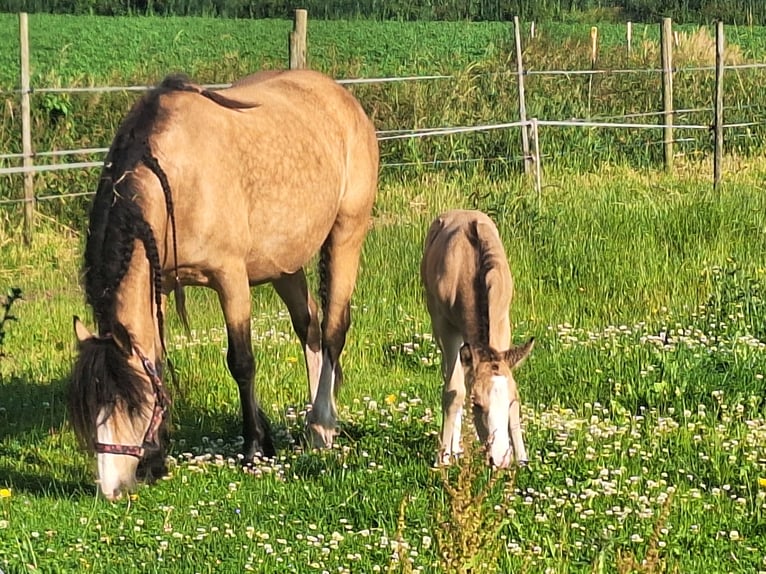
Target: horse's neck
492, 315
135, 306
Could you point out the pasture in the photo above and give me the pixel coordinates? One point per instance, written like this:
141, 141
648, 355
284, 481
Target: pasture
66, 51
643, 402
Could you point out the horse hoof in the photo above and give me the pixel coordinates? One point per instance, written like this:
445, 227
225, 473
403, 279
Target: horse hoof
320, 436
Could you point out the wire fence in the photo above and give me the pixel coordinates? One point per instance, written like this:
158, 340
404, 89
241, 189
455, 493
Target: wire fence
396, 134
610, 122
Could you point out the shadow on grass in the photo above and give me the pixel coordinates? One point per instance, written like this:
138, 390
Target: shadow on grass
44, 484
28, 406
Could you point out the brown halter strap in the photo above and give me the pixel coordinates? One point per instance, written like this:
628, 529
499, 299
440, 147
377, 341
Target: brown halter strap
161, 403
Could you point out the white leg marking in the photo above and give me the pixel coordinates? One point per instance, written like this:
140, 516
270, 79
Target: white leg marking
322, 419
314, 370
452, 406
497, 422
518, 440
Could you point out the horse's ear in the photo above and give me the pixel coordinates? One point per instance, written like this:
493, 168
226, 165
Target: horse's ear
81, 331
466, 355
516, 355
121, 338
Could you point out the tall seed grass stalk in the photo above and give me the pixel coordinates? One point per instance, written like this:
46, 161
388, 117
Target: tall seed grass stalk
653, 562
468, 538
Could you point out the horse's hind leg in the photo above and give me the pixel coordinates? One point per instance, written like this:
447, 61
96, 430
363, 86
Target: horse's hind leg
234, 294
293, 290
338, 265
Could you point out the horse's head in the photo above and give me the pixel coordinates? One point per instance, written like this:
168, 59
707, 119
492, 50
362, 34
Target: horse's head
495, 400
117, 406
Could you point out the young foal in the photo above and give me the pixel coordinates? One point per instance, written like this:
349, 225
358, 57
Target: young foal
225, 189
468, 288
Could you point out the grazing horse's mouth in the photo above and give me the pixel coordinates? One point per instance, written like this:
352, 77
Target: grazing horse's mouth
151, 440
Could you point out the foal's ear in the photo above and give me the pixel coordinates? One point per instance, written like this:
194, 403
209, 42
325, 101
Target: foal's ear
81, 331
121, 338
516, 355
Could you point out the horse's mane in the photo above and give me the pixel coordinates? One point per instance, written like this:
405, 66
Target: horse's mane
116, 220
101, 375
485, 262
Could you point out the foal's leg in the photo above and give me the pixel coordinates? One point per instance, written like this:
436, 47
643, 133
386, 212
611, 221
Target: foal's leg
293, 290
453, 391
234, 294
339, 262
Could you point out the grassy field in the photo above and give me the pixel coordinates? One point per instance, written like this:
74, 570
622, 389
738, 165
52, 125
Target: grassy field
643, 402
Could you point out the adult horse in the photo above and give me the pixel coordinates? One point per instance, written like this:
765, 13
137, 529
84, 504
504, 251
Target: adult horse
224, 189
469, 287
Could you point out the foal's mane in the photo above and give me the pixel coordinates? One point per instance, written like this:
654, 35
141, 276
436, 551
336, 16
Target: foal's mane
485, 262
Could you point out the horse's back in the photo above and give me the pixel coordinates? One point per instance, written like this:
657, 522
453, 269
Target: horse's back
459, 245
266, 180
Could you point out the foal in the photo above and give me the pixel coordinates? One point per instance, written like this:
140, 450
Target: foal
469, 288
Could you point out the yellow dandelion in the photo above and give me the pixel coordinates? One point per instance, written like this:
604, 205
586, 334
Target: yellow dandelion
5, 493
390, 399
134, 497
292, 359
761, 483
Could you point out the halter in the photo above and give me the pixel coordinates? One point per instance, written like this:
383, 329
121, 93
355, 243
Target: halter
161, 402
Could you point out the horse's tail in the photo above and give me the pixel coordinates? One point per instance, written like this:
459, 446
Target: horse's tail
181, 83
154, 166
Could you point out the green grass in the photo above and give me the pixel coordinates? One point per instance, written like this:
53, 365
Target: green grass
72, 50
643, 396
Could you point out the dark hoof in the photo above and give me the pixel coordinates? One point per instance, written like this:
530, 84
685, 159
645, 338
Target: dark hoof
256, 452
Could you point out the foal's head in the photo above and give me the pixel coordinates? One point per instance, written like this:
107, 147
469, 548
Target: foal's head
495, 400
117, 407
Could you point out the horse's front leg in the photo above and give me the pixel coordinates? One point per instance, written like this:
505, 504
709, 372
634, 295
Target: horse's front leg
453, 394
234, 294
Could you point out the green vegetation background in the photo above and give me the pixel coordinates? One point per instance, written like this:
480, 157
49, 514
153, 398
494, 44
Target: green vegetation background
698, 11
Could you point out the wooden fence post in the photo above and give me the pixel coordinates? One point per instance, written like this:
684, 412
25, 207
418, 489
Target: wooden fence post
667, 89
26, 130
538, 166
593, 60
718, 122
298, 41
522, 99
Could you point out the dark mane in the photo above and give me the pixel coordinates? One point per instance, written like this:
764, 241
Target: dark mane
116, 220
484, 264
101, 377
